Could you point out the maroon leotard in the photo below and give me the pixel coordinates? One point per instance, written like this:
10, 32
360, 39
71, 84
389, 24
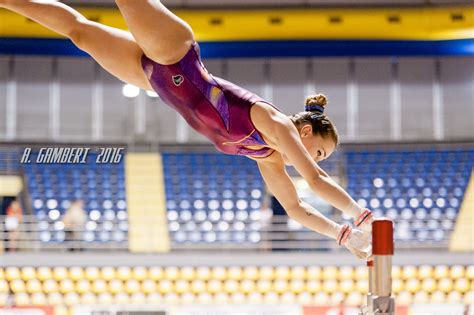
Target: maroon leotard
216, 108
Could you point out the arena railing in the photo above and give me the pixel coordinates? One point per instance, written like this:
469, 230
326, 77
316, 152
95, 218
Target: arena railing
277, 235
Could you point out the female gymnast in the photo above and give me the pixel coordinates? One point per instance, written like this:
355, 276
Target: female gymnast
160, 53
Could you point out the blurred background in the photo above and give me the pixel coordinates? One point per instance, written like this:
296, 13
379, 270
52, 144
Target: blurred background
173, 227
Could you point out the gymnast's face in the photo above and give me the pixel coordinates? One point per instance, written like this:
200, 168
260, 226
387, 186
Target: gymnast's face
320, 148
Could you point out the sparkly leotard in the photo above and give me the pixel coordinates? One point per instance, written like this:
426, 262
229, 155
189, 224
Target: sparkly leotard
216, 108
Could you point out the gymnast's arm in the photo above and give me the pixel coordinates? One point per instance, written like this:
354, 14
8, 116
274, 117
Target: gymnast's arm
281, 131
281, 186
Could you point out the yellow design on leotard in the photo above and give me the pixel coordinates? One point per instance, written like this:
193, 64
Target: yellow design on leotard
241, 140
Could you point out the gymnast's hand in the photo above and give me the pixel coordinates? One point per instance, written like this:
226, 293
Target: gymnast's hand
364, 221
356, 241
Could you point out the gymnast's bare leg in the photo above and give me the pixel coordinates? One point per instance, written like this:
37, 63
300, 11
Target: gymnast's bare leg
114, 49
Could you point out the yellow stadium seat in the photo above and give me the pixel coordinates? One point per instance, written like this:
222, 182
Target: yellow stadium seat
3, 298
132, 286
355, 299
429, 285
99, 286
140, 273
71, 299
264, 286
155, 273
361, 273
50, 286
198, 286
60, 273
33, 286
267, 273
255, 298
472, 285
92, 273
18, 286
346, 286
149, 286
138, 298
221, 298
55, 298
469, 272
396, 272
454, 297
238, 298
304, 298
105, 298
421, 297
330, 273
398, 285
280, 286
218, 273
188, 273
76, 273
425, 272
404, 298
83, 286
165, 286
337, 298
282, 273
441, 271
12, 273
124, 273
121, 298
38, 299
247, 286
469, 297
461, 285
2, 274
438, 297
231, 286
288, 298
362, 286
297, 286
28, 273
235, 273
445, 285
108, 273
214, 286
298, 273
330, 286
88, 299
409, 272
22, 299
314, 273
313, 286
251, 273
457, 272
116, 286
187, 298
154, 298
171, 298
412, 285
271, 298
182, 286
4, 288
66, 286
172, 273
346, 273
204, 298
44, 273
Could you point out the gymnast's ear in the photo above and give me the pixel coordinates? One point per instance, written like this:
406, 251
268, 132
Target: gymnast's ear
306, 130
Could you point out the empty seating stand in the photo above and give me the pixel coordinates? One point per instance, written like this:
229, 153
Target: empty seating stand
212, 198
421, 190
53, 187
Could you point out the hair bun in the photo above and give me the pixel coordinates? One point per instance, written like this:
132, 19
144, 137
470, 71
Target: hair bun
316, 103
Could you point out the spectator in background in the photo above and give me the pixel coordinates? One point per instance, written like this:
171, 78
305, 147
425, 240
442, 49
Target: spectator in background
13, 221
74, 223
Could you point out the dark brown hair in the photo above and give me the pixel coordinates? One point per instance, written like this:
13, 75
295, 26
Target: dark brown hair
315, 117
